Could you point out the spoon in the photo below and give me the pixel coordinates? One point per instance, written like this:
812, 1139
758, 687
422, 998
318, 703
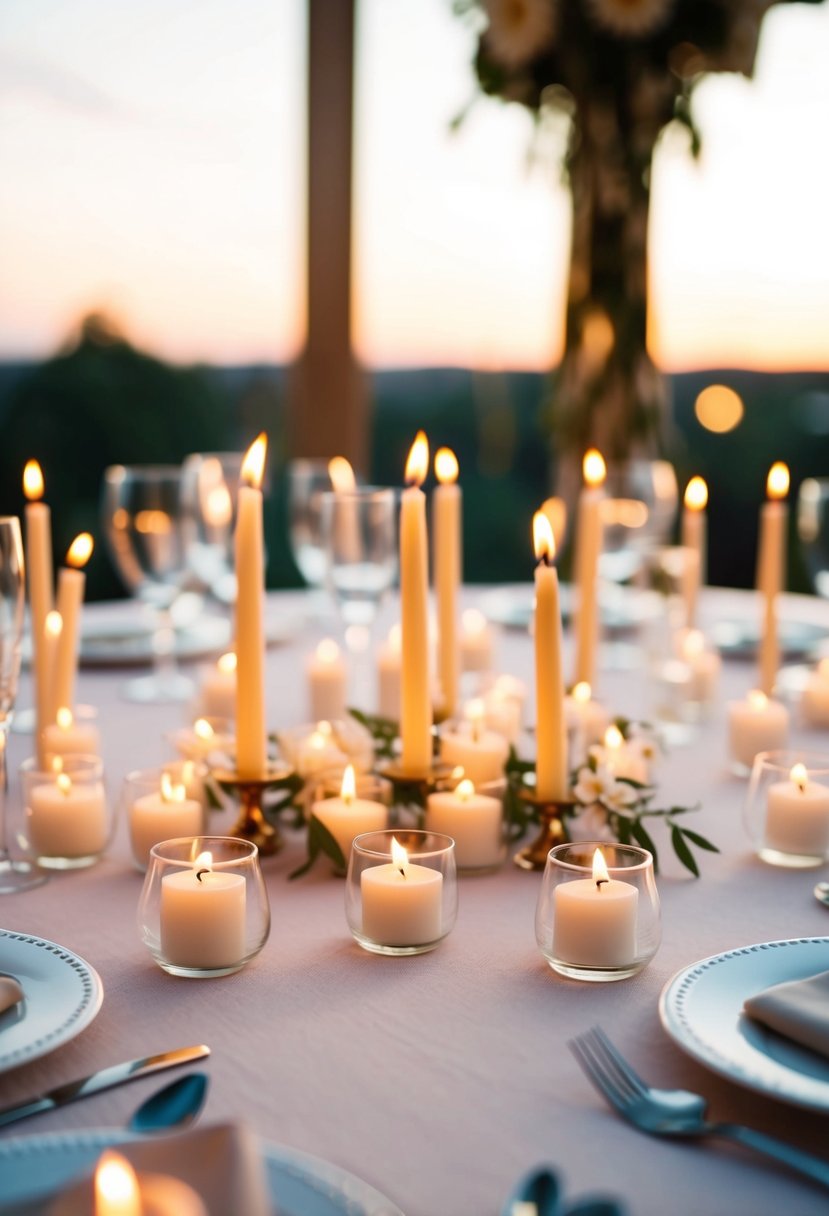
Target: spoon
173, 1106
535, 1194
821, 893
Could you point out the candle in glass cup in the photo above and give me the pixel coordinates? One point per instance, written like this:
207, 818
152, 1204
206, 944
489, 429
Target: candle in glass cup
481, 753
473, 820
588, 550
202, 916
71, 585
595, 919
694, 538
218, 688
416, 702
771, 565
67, 818
349, 816
756, 724
163, 815
67, 736
327, 681
401, 901
797, 815
586, 716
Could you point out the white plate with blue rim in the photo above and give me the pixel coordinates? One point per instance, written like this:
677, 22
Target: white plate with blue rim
61, 996
701, 1009
34, 1167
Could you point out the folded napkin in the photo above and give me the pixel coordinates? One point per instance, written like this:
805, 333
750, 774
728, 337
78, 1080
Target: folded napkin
798, 1009
221, 1163
10, 993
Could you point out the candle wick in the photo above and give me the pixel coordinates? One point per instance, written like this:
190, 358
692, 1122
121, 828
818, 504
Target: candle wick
200, 872
544, 560
599, 882
402, 871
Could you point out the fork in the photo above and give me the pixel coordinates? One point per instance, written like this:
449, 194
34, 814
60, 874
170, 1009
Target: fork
675, 1112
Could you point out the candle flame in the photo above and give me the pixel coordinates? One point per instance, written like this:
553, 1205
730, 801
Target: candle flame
696, 494
613, 738
600, 873
348, 789
64, 783
202, 729
227, 663
253, 466
32, 481
465, 789
556, 511
53, 624
80, 551
594, 468
757, 700
188, 771
543, 540
328, 651
153, 522
446, 466
473, 621
799, 776
169, 791
324, 727
342, 475
777, 483
399, 856
417, 464
64, 718
204, 861
582, 692
116, 1187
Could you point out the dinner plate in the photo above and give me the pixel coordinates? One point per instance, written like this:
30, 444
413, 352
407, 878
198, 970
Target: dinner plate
739, 638
702, 1010
299, 1184
623, 609
62, 995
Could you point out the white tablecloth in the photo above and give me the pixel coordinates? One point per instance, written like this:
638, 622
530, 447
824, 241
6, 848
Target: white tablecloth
437, 1078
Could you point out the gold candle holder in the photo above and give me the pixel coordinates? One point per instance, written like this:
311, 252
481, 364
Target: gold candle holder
251, 824
550, 813
413, 788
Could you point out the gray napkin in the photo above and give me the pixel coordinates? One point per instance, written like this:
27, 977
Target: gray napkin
798, 1009
10, 992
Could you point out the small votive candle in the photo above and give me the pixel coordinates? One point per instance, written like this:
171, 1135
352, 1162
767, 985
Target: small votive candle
205, 736
388, 676
158, 808
704, 667
481, 753
67, 818
349, 815
756, 724
120, 1191
477, 641
814, 704
327, 681
217, 695
70, 736
474, 820
787, 808
588, 718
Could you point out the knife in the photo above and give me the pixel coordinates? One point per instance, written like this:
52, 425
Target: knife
105, 1078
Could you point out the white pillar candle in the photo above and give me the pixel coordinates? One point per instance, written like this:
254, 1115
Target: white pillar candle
402, 902
588, 549
349, 816
203, 916
197, 742
217, 695
251, 743
477, 641
814, 703
447, 565
388, 675
797, 818
327, 681
319, 752
771, 566
41, 592
588, 718
71, 584
416, 701
694, 539
481, 753
69, 737
190, 774
473, 820
164, 815
551, 728
756, 725
704, 666
595, 920
67, 818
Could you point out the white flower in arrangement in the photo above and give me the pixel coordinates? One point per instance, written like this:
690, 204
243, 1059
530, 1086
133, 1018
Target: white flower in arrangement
592, 785
621, 797
518, 30
590, 824
630, 18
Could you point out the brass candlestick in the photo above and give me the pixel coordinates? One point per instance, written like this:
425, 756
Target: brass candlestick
252, 824
550, 812
413, 788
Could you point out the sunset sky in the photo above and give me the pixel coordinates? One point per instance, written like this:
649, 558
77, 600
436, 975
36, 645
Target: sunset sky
152, 163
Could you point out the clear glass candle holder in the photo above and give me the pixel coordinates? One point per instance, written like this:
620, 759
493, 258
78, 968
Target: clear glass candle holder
67, 818
204, 909
206, 737
786, 811
348, 810
75, 733
598, 925
473, 815
401, 902
159, 806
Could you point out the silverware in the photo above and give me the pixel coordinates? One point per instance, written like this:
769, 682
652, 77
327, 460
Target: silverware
105, 1078
675, 1112
821, 893
175, 1105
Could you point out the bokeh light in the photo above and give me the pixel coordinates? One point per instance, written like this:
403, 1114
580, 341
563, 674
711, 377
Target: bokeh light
719, 409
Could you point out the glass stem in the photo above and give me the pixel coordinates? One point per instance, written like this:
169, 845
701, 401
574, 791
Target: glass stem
4, 788
164, 654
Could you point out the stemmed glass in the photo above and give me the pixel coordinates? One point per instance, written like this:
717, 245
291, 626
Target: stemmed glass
209, 494
14, 875
308, 480
637, 513
143, 520
813, 530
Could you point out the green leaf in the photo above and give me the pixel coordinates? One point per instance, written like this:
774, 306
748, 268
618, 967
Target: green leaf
700, 841
320, 840
214, 798
643, 837
683, 852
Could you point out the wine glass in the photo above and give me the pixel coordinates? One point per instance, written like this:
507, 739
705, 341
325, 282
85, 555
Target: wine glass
144, 525
15, 875
637, 513
308, 480
209, 495
359, 537
813, 530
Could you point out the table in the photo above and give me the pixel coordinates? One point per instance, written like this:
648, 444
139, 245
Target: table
437, 1078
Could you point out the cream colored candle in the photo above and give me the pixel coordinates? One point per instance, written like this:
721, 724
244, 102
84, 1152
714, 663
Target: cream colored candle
447, 565
120, 1191
477, 641
416, 702
41, 591
251, 743
551, 729
69, 737
402, 902
50, 645
163, 816
190, 774
704, 666
66, 818
349, 816
814, 704
502, 714
797, 818
473, 820
204, 737
694, 539
588, 718
771, 565
595, 919
346, 536
327, 681
588, 549
217, 695
481, 753
622, 760
71, 584
756, 725
203, 916
388, 675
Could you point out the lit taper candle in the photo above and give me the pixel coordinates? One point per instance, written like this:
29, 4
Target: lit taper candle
588, 549
71, 585
416, 702
551, 728
771, 565
251, 744
446, 522
41, 590
694, 539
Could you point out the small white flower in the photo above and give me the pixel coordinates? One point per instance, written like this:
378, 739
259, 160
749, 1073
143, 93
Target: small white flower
519, 29
630, 18
592, 786
590, 824
620, 796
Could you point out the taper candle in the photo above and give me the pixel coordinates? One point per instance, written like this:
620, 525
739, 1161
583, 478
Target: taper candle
588, 549
416, 704
694, 539
446, 524
41, 592
551, 729
71, 585
771, 564
251, 753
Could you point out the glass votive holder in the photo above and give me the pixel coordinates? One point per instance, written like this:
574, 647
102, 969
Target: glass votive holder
786, 810
204, 909
401, 894
350, 805
474, 817
67, 818
158, 807
598, 912
74, 733
757, 724
205, 737
469, 744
